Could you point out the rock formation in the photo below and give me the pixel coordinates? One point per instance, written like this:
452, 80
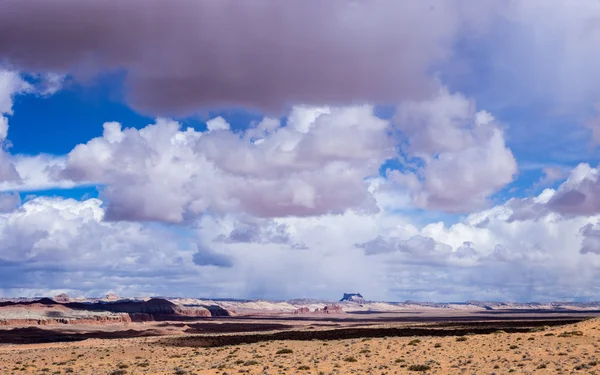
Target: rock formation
302, 310
111, 297
62, 298
48, 311
353, 297
330, 309
154, 307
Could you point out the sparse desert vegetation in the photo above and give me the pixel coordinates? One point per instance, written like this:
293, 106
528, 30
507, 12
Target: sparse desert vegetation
569, 349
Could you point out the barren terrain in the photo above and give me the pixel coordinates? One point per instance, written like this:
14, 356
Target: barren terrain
537, 345
46, 337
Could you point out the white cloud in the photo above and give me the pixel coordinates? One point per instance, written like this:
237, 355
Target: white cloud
217, 123
52, 243
50, 83
8, 173
9, 202
3, 128
65, 244
577, 196
164, 173
296, 206
11, 84
38, 172
591, 239
533, 259
458, 154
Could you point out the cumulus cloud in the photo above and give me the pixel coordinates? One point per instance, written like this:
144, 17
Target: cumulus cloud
9, 202
162, 172
577, 196
62, 244
591, 239
53, 243
266, 56
316, 160
11, 84
36, 172
296, 206
482, 256
59, 243
458, 155
8, 172
217, 123
502, 258
3, 128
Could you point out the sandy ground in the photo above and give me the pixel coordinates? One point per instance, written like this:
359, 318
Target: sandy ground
566, 349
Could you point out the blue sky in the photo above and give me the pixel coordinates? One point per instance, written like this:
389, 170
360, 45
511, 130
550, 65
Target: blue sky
453, 158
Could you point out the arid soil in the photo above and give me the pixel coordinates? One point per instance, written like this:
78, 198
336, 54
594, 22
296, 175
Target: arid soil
537, 344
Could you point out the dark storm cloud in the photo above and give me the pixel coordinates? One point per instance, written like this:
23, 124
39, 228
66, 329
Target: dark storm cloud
207, 257
180, 56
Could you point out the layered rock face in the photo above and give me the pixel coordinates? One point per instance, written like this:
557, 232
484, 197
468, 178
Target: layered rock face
47, 311
100, 320
154, 307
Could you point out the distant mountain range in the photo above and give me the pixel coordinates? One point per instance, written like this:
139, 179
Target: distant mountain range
349, 302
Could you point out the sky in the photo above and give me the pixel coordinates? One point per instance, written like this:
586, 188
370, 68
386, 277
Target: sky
441, 150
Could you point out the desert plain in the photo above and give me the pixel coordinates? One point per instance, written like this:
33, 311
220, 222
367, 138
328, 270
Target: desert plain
260, 337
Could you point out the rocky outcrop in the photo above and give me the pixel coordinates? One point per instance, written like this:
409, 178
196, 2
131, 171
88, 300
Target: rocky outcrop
62, 298
111, 297
302, 310
217, 310
330, 309
120, 318
353, 297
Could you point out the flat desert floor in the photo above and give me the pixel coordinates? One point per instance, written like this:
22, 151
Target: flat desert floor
545, 345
